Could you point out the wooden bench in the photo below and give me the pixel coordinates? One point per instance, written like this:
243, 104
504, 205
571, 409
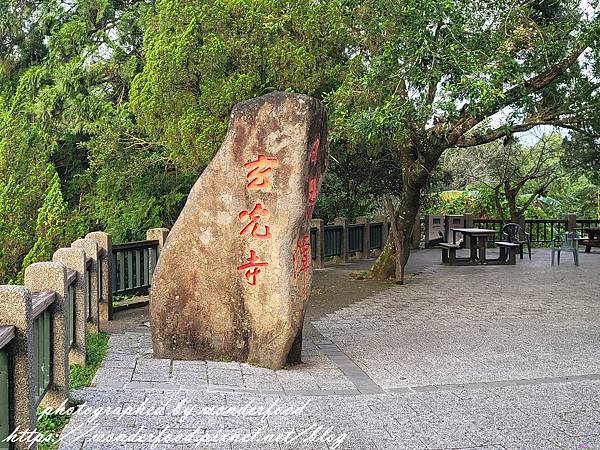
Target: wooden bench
589, 243
448, 252
508, 253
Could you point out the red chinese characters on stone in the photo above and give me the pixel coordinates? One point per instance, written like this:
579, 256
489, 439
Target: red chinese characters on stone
312, 196
301, 256
255, 216
301, 259
252, 268
258, 172
314, 149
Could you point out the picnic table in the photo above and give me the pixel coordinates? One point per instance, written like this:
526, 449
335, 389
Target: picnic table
593, 239
478, 243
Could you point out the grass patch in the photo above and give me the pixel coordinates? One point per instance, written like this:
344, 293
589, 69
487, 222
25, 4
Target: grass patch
51, 425
222, 358
359, 275
81, 376
318, 291
119, 300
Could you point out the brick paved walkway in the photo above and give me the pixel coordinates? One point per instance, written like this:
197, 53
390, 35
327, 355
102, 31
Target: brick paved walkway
462, 357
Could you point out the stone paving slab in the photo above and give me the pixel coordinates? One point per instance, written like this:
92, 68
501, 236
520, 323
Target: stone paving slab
462, 357
477, 324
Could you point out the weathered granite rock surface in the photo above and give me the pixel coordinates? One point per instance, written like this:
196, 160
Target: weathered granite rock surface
234, 275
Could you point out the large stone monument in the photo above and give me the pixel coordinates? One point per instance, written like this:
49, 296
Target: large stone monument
234, 275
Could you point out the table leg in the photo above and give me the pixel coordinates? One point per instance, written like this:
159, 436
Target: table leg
473, 249
481, 241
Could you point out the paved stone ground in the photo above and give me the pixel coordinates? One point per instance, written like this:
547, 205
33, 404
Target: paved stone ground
462, 357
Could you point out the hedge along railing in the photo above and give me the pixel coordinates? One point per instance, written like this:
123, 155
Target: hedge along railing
43, 328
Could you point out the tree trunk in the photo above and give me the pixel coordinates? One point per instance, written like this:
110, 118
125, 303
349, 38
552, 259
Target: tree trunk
392, 261
499, 210
384, 267
511, 200
416, 172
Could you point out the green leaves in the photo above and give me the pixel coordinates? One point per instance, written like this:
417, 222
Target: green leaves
204, 57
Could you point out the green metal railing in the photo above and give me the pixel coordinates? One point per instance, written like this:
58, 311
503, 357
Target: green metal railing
42, 337
586, 223
4, 402
355, 238
133, 266
7, 333
313, 243
542, 231
41, 345
333, 235
99, 266
376, 234
70, 315
333, 240
88, 295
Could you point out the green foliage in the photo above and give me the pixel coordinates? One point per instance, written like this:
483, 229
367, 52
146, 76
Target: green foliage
14, 223
511, 179
110, 110
81, 376
49, 426
202, 57
49, 225
582, 155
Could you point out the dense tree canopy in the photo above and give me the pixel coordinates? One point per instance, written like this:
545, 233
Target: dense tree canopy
517, 174
429, 75
109, 110
202, 57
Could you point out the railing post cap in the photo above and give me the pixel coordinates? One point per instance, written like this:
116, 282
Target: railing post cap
69, 255
96, 234
14, 289
44, 267
103, 239
88, 246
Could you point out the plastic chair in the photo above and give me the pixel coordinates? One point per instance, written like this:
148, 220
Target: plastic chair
568, 241
512, 232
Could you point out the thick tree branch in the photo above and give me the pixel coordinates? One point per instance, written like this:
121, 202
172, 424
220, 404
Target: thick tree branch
433, 84
471, 115
539, 191
500, 132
